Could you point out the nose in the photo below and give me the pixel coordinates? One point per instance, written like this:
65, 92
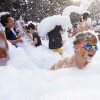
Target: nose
93, 49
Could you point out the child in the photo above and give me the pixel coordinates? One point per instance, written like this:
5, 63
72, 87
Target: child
55, 39
84, 25
8, 22
3, 49
27, 35
85, 48
36, 37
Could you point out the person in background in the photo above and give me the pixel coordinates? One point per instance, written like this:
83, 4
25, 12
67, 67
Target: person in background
55, 39
8, 22
85, 46
36, 38
3, 49
15, 28
26, 19
27, 35
84, 25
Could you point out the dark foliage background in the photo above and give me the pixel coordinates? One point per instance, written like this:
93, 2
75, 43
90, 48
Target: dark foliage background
35, 10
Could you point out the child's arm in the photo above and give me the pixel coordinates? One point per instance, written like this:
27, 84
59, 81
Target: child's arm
58, 65
34, 42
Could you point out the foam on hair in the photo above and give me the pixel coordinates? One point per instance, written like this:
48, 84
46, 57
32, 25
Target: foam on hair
86, 12
85, 37
4, 19
4, 13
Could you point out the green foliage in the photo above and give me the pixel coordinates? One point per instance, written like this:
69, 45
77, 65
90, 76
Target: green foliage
36, 10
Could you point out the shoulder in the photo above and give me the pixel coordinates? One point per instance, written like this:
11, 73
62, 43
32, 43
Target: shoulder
63, 63
8, 30
66, 62
35, 34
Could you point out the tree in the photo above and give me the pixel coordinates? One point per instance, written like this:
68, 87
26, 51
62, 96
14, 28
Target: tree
36, 10
95, 10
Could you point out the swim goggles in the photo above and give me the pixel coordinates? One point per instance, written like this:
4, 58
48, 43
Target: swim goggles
88, 46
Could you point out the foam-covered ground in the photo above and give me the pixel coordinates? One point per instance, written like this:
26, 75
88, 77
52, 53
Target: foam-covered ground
27, 76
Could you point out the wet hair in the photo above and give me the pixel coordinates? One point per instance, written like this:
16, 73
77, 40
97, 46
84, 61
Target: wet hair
75, 25
25, 27
85, 37
31, 26
56, 29
4, 19
85, 15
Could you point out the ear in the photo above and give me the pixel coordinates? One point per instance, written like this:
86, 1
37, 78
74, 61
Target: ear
6, 24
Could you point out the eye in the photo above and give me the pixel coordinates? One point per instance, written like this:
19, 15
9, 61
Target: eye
88, 46
96, 48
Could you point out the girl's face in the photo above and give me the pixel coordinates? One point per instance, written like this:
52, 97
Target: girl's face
31, 30
86, 50
25, 30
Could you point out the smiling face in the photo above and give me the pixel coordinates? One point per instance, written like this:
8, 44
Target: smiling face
10, 22
85, 54
85, 46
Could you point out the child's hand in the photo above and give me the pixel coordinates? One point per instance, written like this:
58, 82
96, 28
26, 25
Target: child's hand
20, 40
63, 42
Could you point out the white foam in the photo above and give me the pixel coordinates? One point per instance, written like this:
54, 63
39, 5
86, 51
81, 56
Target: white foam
49, 23
2, 43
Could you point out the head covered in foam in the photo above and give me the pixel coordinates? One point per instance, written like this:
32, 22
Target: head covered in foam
86, 14
85, 37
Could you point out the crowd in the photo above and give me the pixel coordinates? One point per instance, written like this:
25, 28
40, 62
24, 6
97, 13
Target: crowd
85, 44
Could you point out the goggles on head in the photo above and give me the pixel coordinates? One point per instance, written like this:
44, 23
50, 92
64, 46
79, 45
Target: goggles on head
88, 46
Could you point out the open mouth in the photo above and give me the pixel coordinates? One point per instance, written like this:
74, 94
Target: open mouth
89, 55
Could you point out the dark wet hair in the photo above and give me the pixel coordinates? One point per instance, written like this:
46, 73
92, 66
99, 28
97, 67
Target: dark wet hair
87, 36
56, 29
25, 27
31, 26
85, 15
4, 19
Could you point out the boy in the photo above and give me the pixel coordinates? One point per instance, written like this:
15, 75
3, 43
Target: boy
8, 22
55, 39
85, 48
36, 37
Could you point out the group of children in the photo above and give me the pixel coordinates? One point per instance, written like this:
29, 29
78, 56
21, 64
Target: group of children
85, 44
15, 36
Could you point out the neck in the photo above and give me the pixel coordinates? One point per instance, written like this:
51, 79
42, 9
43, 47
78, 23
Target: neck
79, 62
8, 27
